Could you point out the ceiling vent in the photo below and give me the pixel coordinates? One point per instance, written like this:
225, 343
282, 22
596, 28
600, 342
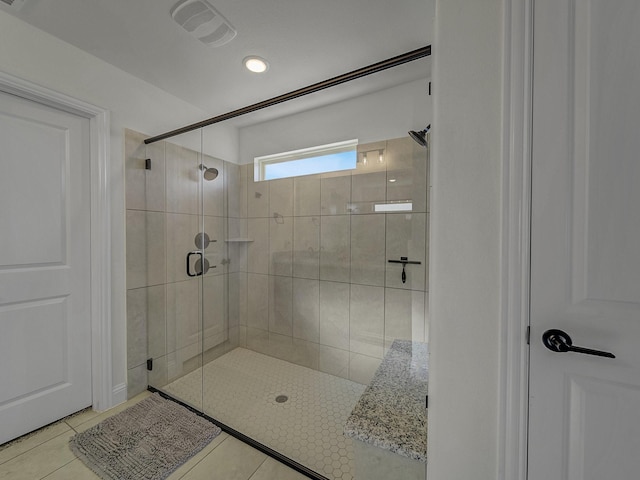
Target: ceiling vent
200, 19
15, 4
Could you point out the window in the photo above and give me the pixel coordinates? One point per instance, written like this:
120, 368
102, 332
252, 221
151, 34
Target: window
307, 161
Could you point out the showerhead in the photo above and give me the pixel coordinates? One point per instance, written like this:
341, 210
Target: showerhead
421, 136
209, 173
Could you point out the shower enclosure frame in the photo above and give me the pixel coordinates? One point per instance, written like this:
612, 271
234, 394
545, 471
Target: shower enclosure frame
316, 87
334, 81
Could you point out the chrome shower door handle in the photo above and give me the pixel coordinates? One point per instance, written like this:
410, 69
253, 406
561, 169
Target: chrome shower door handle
195, 252
559, 341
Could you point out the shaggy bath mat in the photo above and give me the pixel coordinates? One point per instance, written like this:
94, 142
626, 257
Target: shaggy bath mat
147, 441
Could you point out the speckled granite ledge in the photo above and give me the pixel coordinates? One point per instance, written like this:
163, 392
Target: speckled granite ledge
391, 412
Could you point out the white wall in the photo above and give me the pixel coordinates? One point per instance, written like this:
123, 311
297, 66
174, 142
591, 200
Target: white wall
36, 56
390, 113
465, 241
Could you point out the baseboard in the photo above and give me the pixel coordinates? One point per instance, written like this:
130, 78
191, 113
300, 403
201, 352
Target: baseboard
119, 394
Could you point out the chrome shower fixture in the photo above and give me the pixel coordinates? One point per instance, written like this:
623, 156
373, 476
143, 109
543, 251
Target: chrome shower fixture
421, 136
209, 173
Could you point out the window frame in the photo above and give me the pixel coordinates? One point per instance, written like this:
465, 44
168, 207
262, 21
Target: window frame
262, 162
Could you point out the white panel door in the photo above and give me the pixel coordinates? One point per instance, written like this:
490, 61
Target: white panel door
585, 250
45, 328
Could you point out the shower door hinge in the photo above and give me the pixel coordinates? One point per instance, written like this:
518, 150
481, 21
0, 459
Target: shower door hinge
147, 164
429, 88
528, 335
149, 364
426, 401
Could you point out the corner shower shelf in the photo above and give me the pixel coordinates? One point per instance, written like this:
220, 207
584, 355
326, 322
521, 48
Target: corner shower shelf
239, 240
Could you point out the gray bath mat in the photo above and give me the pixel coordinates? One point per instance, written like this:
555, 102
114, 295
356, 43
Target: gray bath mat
147, 441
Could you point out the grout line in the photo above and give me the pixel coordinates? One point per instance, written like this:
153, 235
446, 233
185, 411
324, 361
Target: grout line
72, 428
26, 436
203, 458
60, 468
29, 451
256, 470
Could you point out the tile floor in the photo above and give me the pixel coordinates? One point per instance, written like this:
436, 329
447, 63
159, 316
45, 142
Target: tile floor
45, 454
240, 390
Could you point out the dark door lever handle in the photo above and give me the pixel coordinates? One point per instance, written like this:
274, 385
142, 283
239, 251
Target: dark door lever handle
559, 341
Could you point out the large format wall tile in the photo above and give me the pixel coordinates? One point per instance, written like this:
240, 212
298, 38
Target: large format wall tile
159, 377
232, 188
165, 309
367, 189
146, 264
155, 178
181, 233
258, 249
257, 339
294, 350
306, 196
313, 287
335, 194
146, 327
136, 380
257, 198
136, 327
305, 353
404, 314
281, 246
362, 368
134, 156
306, 309
183, 177
245, 171
214, 201
368, 249
334, 314
366, 320
183, 361
280, 305
335, 242
334, 361
183, 315
306, 247
215, 290
156, 321
281, 197
407, 173
406, 238
258, 301
216, 253
236, 298
145, 189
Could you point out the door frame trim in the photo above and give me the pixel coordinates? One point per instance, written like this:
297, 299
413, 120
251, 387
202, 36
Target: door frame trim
99, 120
516, 239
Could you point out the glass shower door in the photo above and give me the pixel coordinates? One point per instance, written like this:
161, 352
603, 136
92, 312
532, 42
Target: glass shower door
176, 335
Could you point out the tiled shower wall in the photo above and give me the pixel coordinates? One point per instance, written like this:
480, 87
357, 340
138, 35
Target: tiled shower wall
318, 289
163, 303
301, 269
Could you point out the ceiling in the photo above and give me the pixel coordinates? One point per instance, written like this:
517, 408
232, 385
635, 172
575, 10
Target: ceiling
305, 41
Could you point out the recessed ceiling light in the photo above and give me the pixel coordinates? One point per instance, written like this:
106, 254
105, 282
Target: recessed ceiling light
256, 64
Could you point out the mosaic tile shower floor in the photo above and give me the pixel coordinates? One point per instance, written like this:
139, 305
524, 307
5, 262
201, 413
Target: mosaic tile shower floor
240, 390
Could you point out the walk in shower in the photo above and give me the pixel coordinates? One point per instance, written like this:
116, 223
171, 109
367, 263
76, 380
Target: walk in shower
269, 304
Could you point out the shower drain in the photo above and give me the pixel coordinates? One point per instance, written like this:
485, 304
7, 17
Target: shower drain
281, 398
